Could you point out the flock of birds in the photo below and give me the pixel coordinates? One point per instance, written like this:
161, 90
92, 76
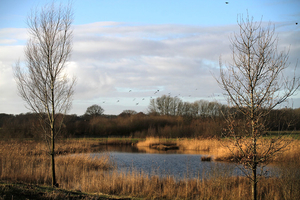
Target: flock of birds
135, 98
154, 96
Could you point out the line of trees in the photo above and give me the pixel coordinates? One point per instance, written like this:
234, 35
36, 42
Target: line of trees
129, 123
174, 106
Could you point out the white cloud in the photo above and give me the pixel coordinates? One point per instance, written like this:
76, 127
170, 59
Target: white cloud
13, 35
111, 58
175, 58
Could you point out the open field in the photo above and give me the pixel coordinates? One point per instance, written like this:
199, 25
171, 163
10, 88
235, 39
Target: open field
28, 162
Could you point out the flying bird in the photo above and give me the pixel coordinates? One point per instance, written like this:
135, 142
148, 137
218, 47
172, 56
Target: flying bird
226, 2
296, 23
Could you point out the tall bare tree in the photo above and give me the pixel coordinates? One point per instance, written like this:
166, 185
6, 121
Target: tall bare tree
42, 80
254, 84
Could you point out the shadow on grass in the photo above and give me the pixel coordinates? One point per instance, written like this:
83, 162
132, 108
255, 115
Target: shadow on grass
20, 191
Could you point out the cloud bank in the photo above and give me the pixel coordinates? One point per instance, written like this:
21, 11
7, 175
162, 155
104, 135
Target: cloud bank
122, 66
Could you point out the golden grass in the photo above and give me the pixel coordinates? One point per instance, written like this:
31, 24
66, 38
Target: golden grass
149, 141
85, 162
222, 150
289, 153
207, 145
28, 162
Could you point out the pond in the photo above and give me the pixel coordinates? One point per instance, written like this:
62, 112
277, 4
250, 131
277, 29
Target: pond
175, 163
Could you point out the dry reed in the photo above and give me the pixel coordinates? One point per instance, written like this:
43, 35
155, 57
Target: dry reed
219, 149
151, 140
208, 145
28, 162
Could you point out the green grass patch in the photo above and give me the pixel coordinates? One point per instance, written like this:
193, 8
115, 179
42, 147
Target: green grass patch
292, 134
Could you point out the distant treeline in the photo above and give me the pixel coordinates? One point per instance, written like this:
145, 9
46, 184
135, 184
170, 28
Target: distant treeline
166, 119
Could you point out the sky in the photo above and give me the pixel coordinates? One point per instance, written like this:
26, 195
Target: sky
127, 52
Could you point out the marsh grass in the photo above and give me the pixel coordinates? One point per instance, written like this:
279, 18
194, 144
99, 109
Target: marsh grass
208, 145
151, 140
218, 148
28, 162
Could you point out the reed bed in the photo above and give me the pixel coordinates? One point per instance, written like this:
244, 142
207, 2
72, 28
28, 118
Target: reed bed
207, 145
290, 152
151, 140
219, 149
29, 162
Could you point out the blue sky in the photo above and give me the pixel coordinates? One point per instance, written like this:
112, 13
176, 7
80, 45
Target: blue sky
144, 46
189, 12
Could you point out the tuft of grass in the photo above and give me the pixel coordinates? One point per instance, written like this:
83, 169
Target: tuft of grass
206, 158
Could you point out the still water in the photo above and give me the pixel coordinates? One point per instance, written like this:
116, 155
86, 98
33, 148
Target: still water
175, 163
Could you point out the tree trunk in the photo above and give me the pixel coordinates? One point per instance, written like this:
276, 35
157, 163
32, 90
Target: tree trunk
254, 184
54, 184
254, 162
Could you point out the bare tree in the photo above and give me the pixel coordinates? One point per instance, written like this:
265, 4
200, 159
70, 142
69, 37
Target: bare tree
94, 110
42, 81
254, 84
165, 105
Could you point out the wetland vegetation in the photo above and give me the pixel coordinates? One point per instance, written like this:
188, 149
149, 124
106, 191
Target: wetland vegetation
27, 161
24, 155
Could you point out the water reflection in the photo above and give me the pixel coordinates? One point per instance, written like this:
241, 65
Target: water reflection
134, 149
176, 163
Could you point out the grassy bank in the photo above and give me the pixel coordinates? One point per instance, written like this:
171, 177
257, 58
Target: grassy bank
18, 191
28, 162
